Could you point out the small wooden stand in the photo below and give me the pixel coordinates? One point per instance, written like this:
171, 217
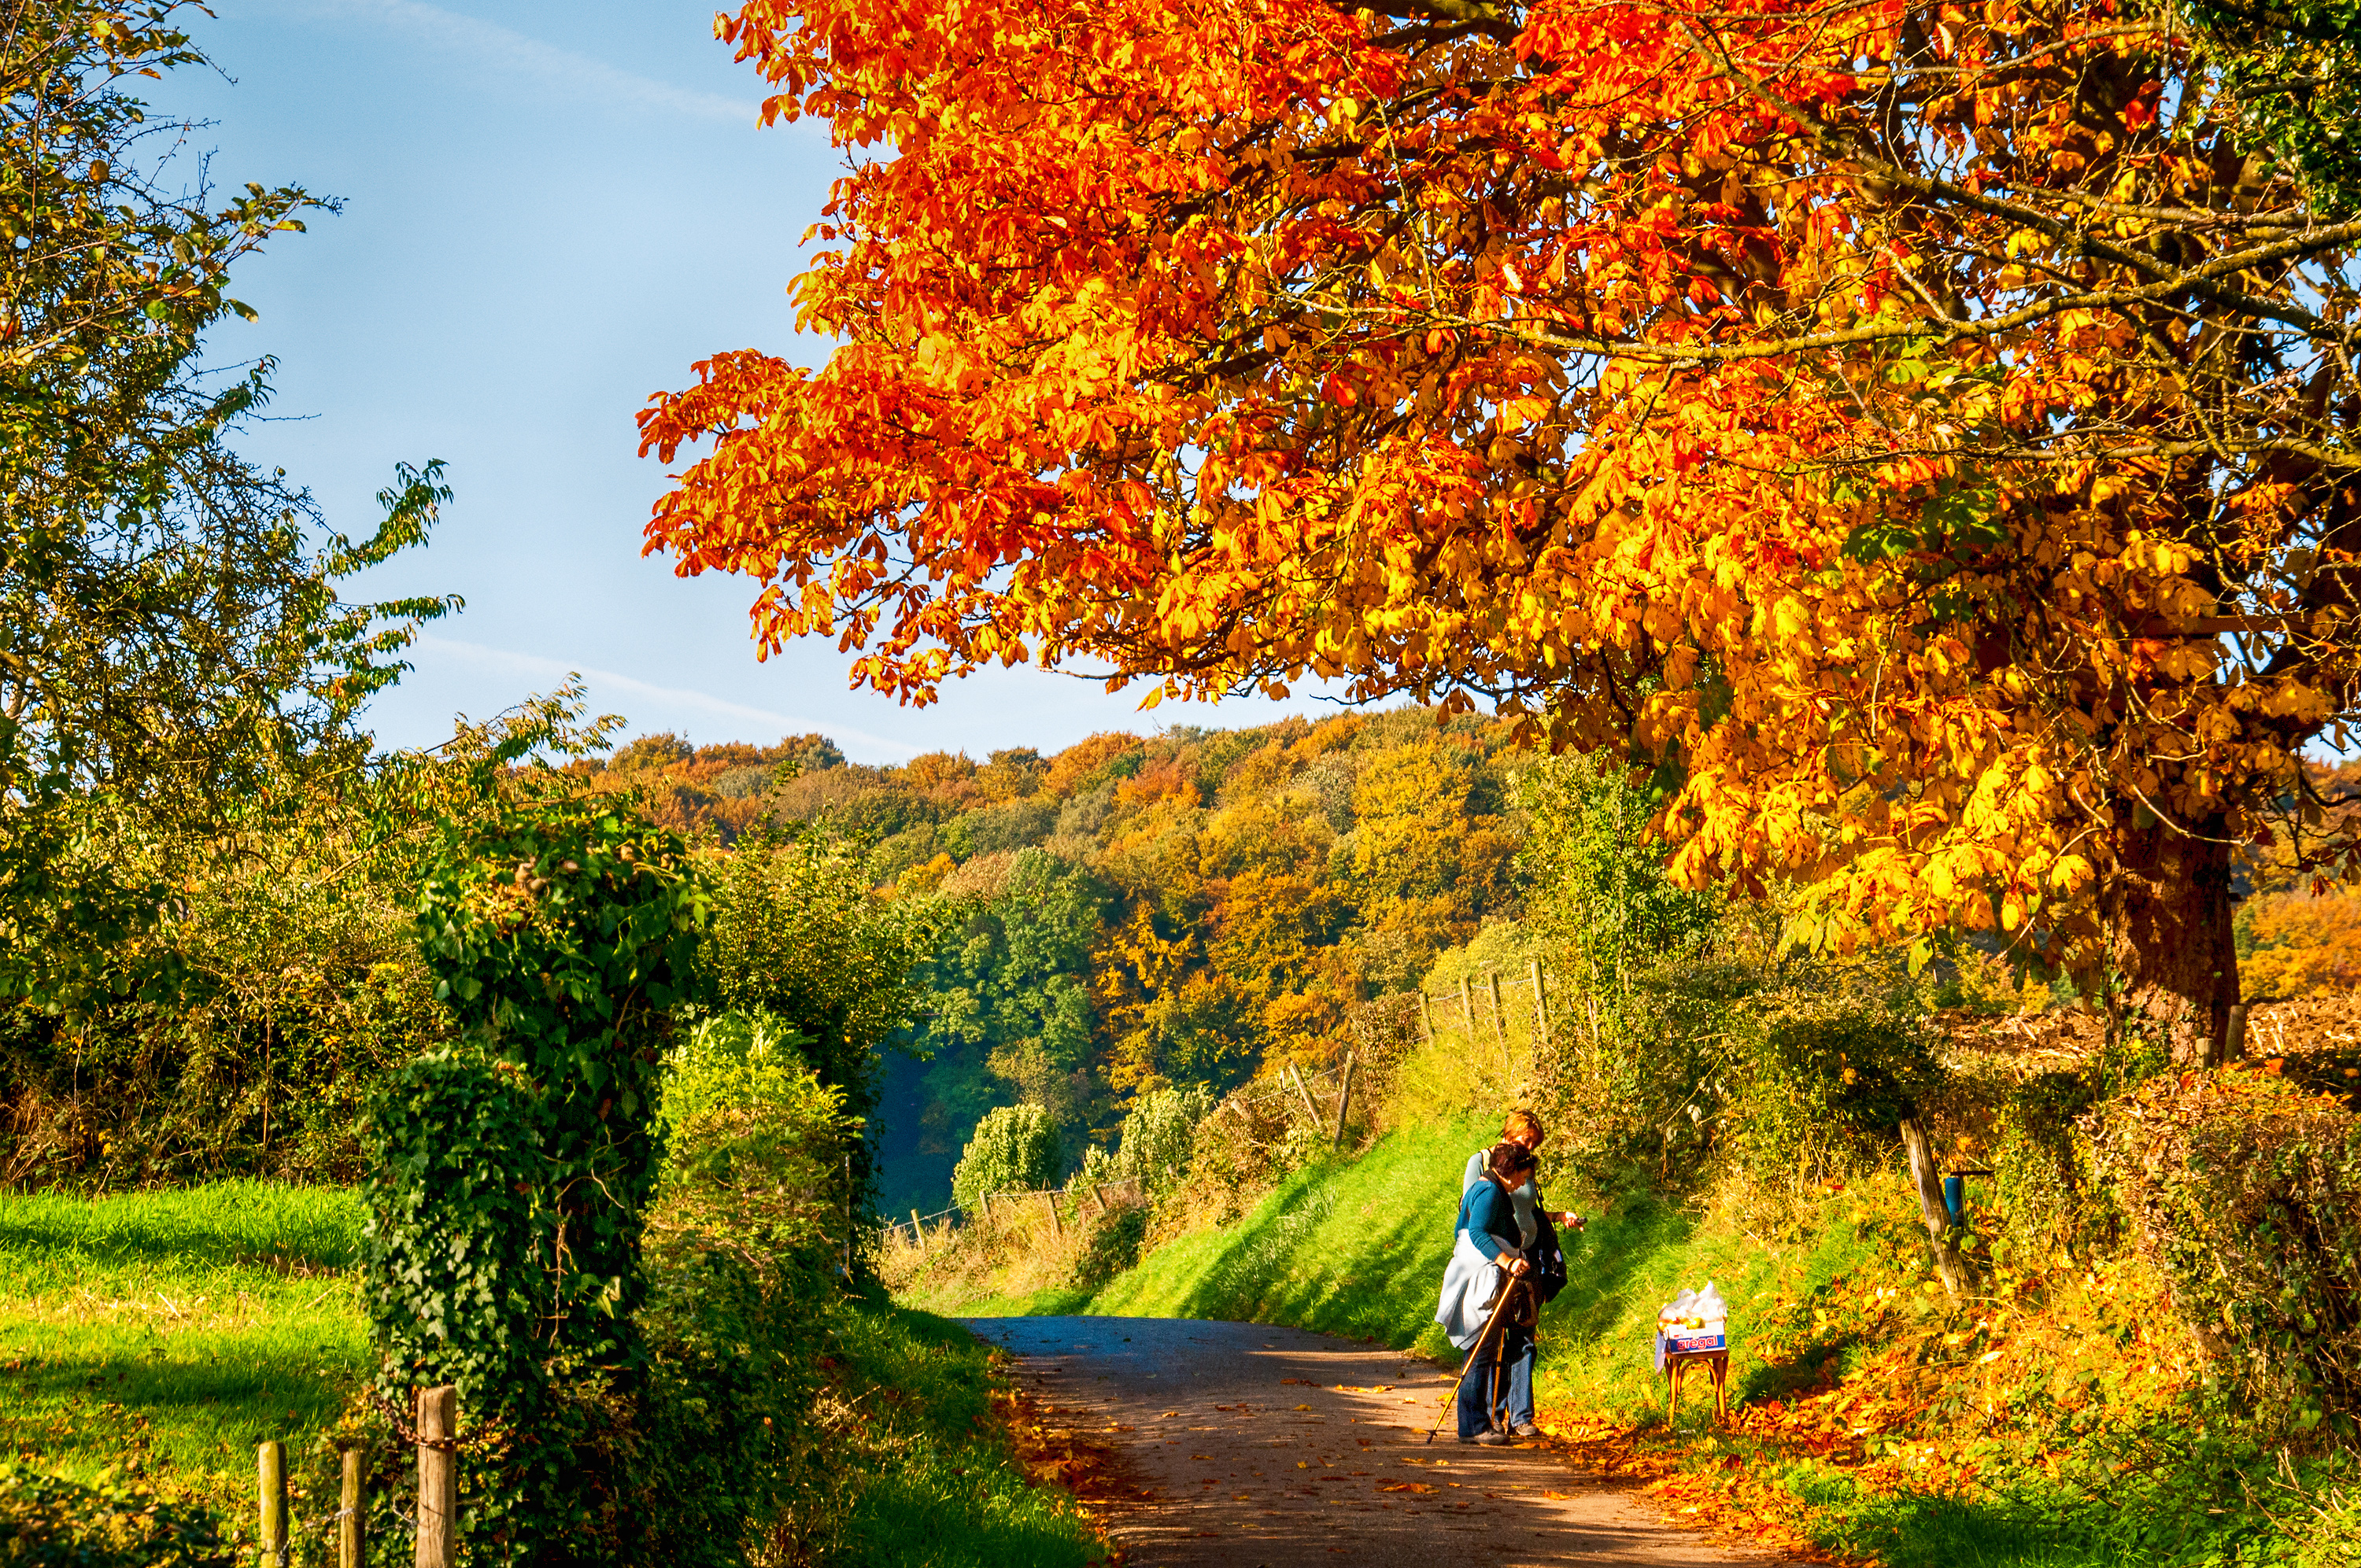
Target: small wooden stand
1715, 1362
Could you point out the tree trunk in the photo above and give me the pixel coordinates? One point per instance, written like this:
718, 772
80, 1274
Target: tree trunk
2172, 940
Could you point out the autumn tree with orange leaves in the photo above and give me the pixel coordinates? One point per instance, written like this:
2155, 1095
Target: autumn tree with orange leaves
1920, 431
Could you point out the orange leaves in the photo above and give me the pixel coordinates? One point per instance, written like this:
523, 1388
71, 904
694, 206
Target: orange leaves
1563, 363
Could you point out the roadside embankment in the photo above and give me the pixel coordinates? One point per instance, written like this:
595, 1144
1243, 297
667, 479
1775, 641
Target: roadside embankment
2057, 1417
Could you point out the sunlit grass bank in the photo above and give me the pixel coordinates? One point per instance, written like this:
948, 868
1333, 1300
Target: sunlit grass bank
172, 1330
166, 1333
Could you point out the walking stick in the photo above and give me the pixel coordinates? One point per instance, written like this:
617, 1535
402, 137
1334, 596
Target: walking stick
1508, 1294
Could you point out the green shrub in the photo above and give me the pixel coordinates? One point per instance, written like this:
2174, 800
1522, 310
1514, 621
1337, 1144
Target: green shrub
741, 1060
1016, 1148
454, 1284
49, 1523
1841, 1053
799, 938
2245, 1193
2042, 1165
1113, 1245
1160, 1134
561, 934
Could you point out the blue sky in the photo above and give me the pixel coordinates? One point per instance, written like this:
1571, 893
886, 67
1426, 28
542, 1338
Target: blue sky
550, 211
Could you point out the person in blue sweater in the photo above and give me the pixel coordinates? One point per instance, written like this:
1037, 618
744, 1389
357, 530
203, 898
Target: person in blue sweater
1487, 1226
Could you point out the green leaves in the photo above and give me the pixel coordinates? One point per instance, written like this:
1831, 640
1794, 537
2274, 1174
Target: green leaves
514, 1174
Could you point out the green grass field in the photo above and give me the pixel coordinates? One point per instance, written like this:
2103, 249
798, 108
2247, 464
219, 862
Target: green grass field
169, 1332
175, 1330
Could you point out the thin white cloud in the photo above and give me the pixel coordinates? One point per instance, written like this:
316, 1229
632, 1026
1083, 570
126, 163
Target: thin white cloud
606, 685
504, 48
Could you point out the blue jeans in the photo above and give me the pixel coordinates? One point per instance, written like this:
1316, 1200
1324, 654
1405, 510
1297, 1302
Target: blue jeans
1512, 1346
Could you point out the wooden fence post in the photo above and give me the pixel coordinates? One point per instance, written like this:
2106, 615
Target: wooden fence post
272, 1464
1057, 1225
986, 1197
1500, 1025
2234, 1043
1932, 1209
1541, 1002
438, 1476
1425, 1018
352, 1525
1344, 1102
1467, 1009
1310, 1108
918, 1229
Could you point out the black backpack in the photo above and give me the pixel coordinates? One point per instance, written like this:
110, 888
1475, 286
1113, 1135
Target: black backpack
1548, 1258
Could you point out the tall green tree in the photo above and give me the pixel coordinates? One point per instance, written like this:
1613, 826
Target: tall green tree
172, 637
1009, 991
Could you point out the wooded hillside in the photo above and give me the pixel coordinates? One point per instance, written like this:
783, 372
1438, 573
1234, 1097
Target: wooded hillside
1131, 912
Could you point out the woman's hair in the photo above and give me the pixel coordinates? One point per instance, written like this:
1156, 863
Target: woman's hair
1522, 1121
1511, 1159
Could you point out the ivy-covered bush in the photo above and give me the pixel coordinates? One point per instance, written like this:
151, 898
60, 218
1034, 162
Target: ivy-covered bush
456, 1286
46, 1522
562, 933
1016, 1148
2244, 1191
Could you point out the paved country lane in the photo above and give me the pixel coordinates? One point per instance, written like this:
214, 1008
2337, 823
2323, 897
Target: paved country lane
1253, 1454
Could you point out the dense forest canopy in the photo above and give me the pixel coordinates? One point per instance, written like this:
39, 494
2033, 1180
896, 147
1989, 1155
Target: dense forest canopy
1188, 908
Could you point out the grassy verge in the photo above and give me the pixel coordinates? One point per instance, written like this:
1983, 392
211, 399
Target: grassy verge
929, 1416
171, 1331
2060, 1419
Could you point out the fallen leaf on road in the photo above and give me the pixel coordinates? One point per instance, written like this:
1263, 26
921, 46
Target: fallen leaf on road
1559, 1497
1302, 1407
1406, 1486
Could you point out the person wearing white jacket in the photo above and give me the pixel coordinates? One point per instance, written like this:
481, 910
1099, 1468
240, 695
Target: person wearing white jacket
1483, 1247
1522, 1129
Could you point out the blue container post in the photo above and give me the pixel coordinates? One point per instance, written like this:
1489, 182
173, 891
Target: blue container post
1955, 1198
